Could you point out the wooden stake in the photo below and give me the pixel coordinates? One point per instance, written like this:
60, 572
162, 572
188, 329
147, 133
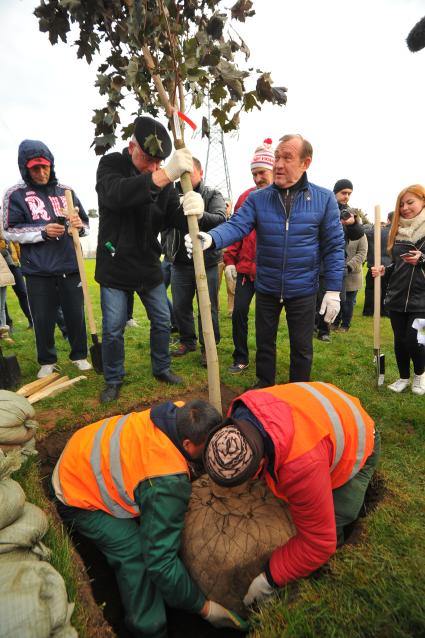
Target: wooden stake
53, 391
35, 386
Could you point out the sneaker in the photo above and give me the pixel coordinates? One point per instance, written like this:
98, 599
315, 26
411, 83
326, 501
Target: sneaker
82, 364
236, 368
46, 369
132, 323
399, 385
182, 350
418, 385
324, 337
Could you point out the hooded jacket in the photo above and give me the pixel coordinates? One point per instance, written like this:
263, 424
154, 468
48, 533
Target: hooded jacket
132, 212
29, 207
290, 245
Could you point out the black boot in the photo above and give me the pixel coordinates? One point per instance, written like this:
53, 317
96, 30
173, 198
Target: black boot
110, 393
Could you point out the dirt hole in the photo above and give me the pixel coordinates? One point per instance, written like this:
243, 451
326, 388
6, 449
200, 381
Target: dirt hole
99, 592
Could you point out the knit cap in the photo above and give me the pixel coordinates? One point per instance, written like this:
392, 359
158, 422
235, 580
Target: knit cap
342, 184
263, 156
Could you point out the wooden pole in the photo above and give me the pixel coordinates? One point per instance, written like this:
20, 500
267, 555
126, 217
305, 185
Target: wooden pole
379, 358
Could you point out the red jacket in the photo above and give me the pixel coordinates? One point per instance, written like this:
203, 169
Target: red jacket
242, 253
309, 463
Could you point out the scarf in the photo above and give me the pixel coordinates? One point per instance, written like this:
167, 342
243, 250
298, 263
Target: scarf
411, 229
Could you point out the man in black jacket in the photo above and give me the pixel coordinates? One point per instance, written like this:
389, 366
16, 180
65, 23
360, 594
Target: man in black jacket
136, 201
183, 283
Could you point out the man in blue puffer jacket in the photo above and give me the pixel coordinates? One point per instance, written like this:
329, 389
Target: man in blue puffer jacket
33, 215
297, 225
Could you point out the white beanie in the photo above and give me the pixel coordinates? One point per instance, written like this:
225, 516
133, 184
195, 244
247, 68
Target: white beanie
263, 156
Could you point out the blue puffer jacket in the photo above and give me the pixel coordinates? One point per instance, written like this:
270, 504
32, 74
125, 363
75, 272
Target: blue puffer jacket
29, 207
289, 248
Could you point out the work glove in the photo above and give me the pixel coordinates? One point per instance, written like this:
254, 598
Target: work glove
330, 306
193, 204
258, 591
222, 618
206, 242
230, 272
180, 162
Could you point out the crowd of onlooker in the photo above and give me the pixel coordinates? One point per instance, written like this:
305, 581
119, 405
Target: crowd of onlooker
289, 243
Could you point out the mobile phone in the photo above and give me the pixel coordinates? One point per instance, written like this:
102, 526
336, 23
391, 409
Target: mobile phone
409, 254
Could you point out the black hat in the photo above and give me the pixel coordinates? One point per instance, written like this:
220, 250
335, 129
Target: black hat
146, 129
341, 184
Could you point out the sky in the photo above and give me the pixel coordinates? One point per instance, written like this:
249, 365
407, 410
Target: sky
355, 92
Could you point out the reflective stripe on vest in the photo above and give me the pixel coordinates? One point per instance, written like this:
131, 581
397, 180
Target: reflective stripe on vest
116, 471
337, 425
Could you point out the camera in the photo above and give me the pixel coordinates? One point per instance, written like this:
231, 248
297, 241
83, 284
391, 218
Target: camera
345, 214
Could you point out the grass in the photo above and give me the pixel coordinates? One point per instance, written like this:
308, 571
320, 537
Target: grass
375, 588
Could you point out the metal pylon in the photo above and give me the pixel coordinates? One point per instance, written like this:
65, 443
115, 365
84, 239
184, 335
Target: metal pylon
216, 174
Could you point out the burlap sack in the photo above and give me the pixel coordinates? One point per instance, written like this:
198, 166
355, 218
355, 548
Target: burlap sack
16, 419
33, 602
26, 531
12, 496
229, 535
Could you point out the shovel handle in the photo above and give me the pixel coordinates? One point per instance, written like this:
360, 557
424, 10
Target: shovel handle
81, 267
377, 281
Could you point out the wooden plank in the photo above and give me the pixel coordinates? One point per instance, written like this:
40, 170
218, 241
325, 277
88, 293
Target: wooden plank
56, 389
37, 385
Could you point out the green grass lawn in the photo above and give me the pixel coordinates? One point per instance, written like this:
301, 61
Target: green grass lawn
375, 587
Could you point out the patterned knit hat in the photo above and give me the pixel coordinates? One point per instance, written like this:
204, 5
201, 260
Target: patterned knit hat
263, 156
233, 452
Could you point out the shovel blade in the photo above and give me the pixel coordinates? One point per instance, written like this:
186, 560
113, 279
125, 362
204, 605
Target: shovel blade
10, 372
96, 355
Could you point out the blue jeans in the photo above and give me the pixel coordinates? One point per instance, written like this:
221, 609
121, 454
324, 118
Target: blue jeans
114, 317
183, 288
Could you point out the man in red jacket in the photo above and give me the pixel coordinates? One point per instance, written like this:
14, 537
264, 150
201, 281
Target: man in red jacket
317, 449
239, 259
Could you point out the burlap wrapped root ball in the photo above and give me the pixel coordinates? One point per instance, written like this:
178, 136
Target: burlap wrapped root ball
17, 424
229, 535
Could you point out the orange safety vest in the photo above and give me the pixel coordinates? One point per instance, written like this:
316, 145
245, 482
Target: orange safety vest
318, 410
103, 463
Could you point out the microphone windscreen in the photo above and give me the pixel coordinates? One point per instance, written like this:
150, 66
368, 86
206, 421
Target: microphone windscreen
416, 38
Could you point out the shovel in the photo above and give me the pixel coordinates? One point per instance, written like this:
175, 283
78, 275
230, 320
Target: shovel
379, 358
96, 348
10, 372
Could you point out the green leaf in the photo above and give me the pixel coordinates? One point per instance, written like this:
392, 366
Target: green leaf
152, 145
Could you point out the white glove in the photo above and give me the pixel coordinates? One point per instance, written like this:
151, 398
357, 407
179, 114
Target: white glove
222, 618
180, 162
206, 241
193, 204
230, 272
330, 306
258, 591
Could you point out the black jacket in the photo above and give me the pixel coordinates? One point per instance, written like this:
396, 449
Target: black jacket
214, 214
406, 285
132, 211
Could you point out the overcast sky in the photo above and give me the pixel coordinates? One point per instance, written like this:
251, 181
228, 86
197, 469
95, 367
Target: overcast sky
354, 90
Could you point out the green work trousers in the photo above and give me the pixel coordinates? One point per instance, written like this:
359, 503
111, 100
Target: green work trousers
119, 541
349, 498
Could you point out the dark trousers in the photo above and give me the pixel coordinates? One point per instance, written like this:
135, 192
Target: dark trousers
119, 541
166, 273
300, 313
45, 295
20, 291
349, 498
183, 288
130, 304
244, 292
345, 315
406, 346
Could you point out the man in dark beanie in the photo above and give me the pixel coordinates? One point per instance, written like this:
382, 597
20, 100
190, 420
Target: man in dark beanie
317, 449
136, 201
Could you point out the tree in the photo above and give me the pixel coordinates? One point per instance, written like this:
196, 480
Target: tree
161, 51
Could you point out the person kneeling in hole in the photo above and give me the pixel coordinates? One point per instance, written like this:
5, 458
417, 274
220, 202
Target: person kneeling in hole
124, 483
317, 449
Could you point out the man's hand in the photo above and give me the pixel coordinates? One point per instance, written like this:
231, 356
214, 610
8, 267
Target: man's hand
330, 306
54, 231
193, 204
206, 241
230, 272
222, 618
258, 591
180, 162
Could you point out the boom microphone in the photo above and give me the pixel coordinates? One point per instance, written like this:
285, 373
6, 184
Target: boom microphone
416, 38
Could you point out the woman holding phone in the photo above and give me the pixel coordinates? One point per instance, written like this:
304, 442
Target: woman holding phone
405, 297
